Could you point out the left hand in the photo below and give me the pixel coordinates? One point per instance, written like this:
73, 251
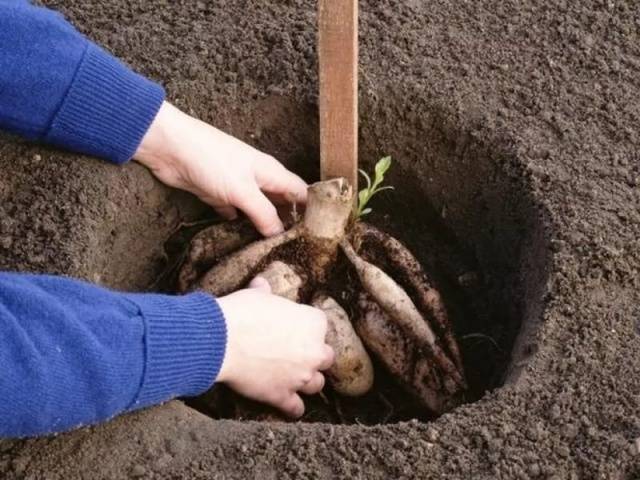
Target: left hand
276, 348
221, 170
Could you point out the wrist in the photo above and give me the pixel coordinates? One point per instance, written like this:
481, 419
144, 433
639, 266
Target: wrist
185, 341
225, 373
157, 149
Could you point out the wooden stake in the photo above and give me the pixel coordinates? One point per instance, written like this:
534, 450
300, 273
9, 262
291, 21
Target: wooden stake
338, 54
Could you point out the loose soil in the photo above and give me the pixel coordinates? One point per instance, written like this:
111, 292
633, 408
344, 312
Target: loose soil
514, 126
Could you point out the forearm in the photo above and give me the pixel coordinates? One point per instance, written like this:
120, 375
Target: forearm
74, 354
58, 87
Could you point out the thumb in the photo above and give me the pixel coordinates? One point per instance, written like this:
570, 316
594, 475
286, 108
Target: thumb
260, 283
260, 210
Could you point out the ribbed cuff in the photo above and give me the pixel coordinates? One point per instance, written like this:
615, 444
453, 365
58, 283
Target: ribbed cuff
185, 341
107, 109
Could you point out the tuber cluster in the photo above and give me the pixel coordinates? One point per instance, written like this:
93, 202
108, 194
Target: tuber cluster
391, 310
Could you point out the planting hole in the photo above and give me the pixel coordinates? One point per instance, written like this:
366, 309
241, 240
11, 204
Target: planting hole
464, 211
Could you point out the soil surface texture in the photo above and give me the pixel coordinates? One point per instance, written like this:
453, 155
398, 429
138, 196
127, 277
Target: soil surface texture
515, 128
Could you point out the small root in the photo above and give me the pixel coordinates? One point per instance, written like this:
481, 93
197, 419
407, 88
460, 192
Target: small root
338, 408
390, 409
482, 336
324, 398
181, 224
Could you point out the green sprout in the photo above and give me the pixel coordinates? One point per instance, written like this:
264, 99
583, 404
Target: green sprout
372, 188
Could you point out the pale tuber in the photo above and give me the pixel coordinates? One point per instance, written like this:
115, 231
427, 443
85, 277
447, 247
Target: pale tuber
401, 357
234, 271
428, 300
352, 371
211, 245
401, 309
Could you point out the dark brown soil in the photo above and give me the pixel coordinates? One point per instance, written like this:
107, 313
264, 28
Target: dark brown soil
513, 124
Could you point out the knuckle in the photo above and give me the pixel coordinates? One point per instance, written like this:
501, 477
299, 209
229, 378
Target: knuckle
306, 377
319, 355
314, 316
271, 160
329, 354
320, 318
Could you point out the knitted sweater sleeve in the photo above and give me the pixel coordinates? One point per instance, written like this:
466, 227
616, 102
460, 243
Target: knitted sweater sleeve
74, 354
58, 87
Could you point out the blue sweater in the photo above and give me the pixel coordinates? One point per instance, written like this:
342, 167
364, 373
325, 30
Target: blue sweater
71, 353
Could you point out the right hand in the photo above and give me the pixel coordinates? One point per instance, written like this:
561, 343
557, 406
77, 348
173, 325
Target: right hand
275, 348
221, 170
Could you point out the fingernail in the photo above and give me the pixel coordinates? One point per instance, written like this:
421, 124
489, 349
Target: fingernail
275, 230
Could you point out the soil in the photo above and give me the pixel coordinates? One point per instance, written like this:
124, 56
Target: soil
514, 126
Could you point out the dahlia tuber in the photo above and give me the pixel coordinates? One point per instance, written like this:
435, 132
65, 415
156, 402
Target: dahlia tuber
352, 372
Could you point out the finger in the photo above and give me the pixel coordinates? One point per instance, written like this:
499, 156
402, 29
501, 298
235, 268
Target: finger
284, 200
327, 358
227, 212
260, 210
274, 178
260, 283
293, 406
314, 385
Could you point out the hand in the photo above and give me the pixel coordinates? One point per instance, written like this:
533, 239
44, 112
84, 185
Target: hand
224, 172
275, 348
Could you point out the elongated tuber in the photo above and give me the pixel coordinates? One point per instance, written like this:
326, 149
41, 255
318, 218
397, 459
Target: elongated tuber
410, 364
400, 308
234, 271
427, 298
212, 244
391, 297
352, 372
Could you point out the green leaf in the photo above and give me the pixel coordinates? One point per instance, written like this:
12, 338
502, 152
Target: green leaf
366, 194
363, 198
366, 177
382, 167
